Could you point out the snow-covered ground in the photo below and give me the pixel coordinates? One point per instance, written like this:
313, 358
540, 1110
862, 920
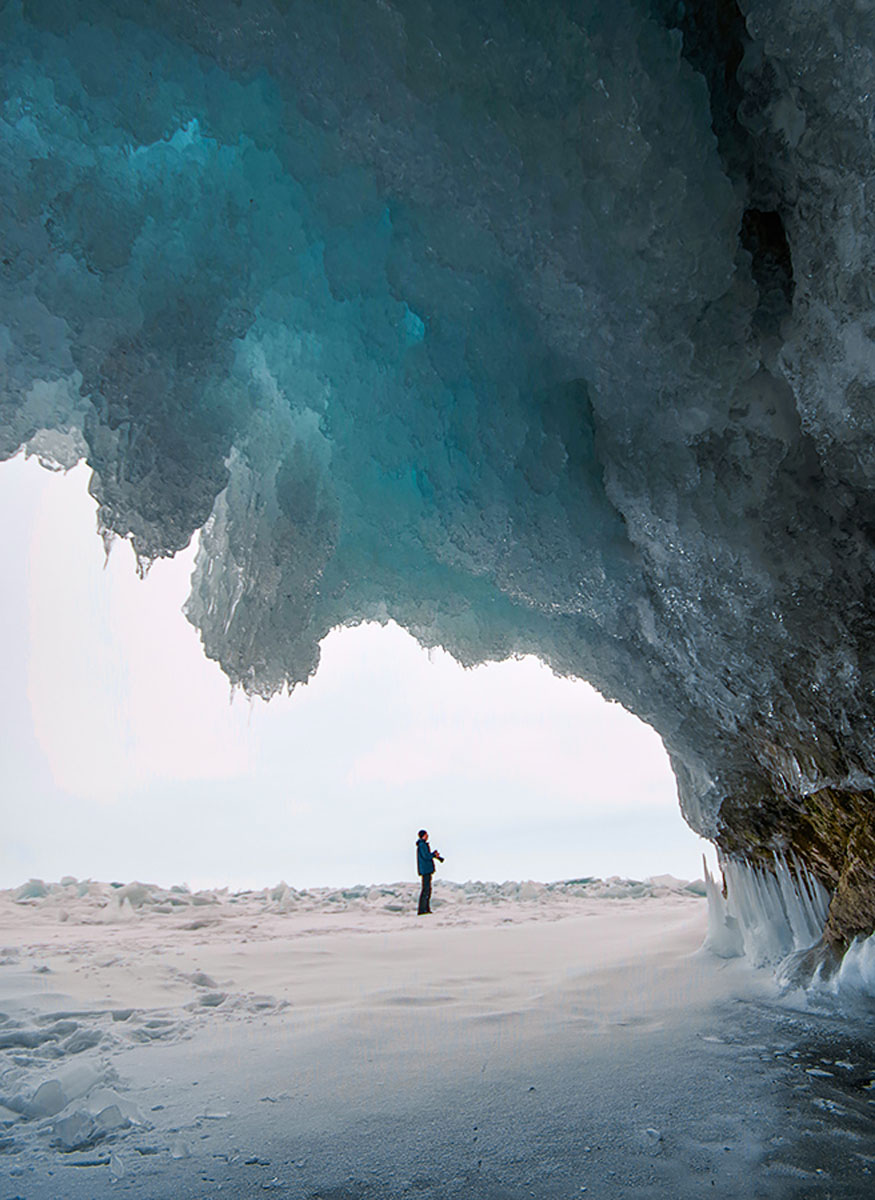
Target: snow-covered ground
525, 1040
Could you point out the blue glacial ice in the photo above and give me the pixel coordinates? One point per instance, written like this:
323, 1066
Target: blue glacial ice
537, 328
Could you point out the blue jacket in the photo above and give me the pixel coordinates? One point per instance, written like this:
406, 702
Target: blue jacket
424, 860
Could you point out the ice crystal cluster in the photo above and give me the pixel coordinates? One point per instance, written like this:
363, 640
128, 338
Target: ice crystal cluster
535, 326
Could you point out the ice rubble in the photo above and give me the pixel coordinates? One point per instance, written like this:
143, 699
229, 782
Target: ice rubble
540, 327
73, 1105
90, 902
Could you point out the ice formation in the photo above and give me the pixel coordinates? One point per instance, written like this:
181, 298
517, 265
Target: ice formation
91, 903
536, 327
766, 914
856, 973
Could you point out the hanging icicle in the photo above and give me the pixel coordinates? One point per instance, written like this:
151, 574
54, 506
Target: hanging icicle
765, 915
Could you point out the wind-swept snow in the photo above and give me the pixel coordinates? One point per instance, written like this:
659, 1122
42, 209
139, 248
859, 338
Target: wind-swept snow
525, 1038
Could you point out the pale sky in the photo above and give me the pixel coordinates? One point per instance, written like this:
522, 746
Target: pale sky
124, 757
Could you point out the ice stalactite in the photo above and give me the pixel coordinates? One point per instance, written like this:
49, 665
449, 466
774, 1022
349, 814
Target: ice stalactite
765, 914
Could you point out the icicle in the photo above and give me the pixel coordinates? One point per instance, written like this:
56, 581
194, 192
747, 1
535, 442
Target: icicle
765, 915
723, 937
856, 975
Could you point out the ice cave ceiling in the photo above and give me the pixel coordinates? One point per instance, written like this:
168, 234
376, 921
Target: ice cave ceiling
536, 326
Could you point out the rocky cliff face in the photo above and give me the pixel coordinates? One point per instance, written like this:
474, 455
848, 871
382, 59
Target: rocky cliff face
536, 327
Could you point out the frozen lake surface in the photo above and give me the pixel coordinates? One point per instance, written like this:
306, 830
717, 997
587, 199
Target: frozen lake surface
524, 1041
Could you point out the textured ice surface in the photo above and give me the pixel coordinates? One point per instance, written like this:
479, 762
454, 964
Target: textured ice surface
534, 327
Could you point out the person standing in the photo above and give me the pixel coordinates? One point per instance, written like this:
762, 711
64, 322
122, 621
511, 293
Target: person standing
425, 857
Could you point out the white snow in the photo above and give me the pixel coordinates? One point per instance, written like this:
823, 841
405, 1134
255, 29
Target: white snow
282, 1037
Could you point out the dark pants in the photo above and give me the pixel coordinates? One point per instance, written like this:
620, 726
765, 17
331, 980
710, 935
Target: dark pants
425, 896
